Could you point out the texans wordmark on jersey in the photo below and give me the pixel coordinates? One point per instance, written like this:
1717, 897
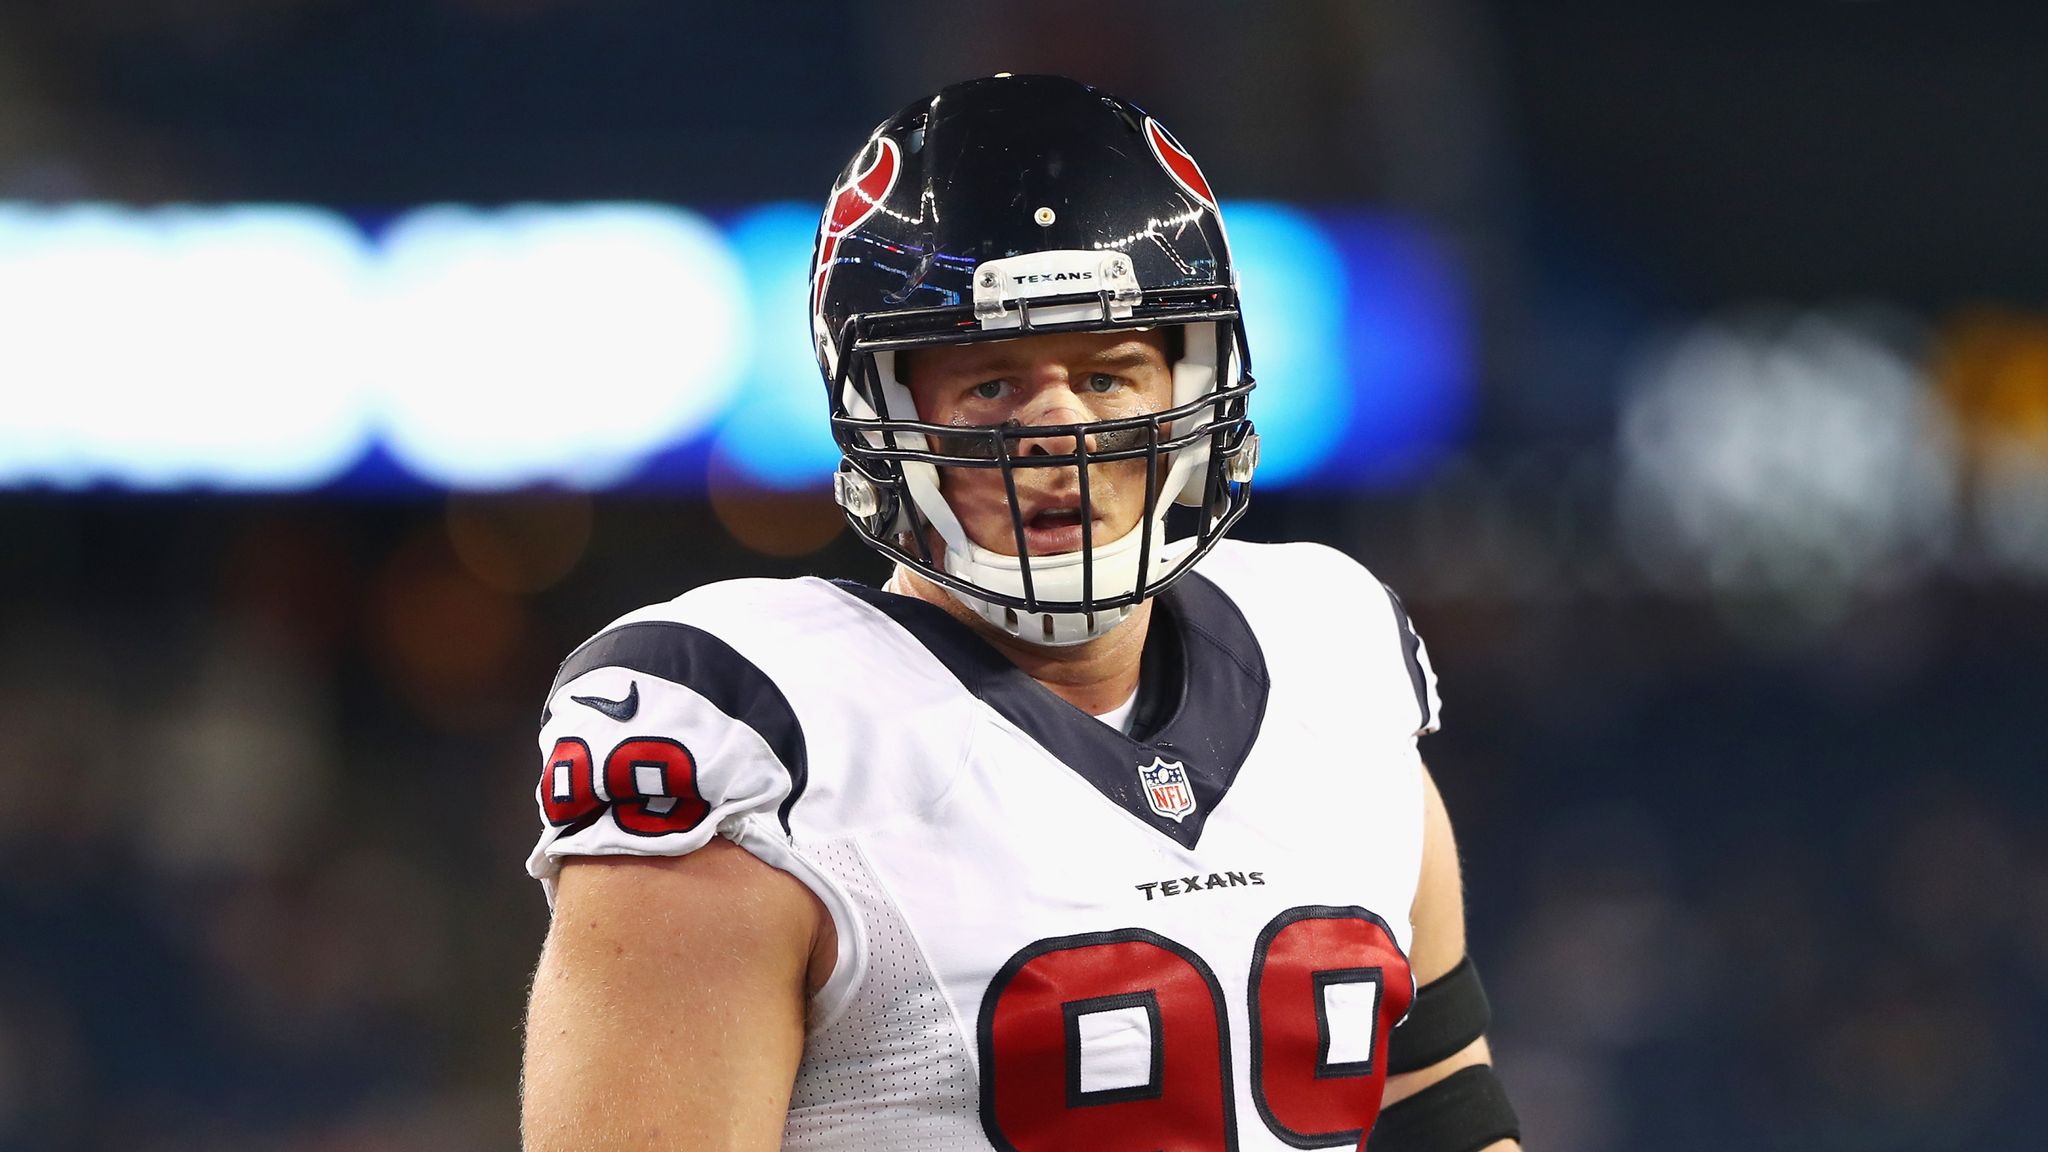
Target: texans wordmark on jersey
1052, 935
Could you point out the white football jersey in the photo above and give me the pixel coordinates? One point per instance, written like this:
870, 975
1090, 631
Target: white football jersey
1052, 935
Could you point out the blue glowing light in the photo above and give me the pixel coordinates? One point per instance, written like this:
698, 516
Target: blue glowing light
284, 348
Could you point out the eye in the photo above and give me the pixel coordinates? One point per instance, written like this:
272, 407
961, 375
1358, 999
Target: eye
1103, 382
988, 390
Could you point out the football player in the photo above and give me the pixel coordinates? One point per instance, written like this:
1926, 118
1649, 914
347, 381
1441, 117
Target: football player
1092, 830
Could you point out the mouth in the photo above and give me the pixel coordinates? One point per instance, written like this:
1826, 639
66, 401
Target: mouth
1055, 518
1053, 530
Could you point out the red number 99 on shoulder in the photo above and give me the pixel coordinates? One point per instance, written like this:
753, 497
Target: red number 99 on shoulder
648, 782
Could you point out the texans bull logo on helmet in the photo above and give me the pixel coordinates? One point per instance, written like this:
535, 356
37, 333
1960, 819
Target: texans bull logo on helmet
1178, 163
852, 203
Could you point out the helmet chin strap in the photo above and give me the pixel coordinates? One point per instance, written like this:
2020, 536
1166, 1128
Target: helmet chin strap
1059, 577
1051, 629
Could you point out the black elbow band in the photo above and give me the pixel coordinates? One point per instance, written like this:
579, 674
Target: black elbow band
1449, 1012
1462, 1112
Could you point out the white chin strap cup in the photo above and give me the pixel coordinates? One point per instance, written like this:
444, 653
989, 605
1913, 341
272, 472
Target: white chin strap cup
1059, 578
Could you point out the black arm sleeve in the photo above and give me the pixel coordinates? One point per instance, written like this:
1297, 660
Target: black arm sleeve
1449, 1012
1463, 1112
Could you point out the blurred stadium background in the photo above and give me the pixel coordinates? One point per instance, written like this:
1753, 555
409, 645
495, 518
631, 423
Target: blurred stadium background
1684, 366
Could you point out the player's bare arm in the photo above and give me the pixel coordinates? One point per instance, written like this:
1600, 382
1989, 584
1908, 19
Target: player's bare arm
668, 1009
1439, 924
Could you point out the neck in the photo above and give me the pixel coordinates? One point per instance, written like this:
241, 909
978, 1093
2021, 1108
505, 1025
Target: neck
1095, 676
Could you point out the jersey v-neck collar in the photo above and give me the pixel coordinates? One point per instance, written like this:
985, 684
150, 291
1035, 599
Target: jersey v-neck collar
1207, 732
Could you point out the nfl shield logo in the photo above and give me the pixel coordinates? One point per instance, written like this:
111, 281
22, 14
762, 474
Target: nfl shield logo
1166, 789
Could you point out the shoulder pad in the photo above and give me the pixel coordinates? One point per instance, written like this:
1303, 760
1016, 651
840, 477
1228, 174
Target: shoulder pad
1317, 607
656, 735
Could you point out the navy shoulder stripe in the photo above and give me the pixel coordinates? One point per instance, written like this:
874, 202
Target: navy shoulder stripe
1411, 648
714, 670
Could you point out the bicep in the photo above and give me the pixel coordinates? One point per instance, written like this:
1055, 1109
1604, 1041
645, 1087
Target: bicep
1438, 944
668, 1007
1438, 912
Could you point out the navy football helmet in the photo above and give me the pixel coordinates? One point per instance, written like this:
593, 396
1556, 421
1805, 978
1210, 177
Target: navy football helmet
1011, 206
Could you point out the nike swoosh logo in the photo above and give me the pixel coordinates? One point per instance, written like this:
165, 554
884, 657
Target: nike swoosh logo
620, 710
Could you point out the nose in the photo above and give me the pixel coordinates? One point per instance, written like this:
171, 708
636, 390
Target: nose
1051, 406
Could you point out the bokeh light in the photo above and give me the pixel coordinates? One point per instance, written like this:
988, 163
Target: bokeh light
557, 344
519, 543
1797, 454
279, 348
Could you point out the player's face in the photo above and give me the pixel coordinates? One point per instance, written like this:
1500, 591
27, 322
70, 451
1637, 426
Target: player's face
1064, 378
